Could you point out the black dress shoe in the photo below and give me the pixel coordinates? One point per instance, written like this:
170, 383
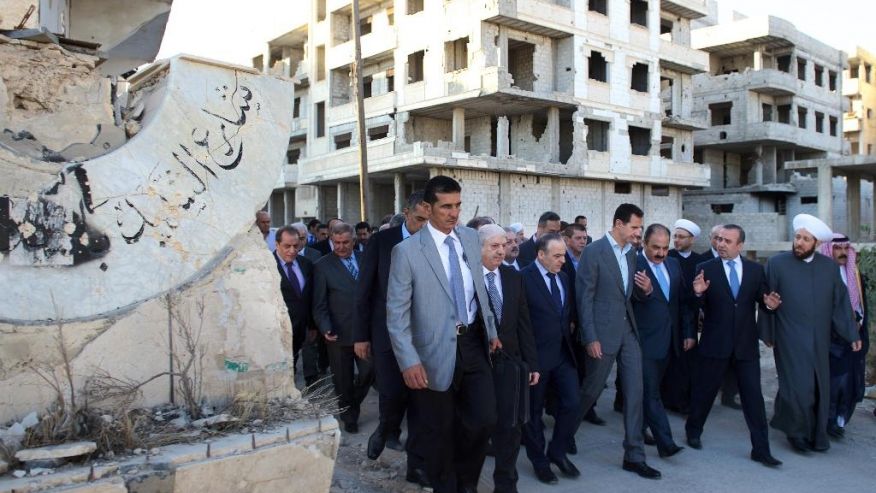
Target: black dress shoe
819, 448
669, 452
393, 441
695, 442
731, 403
376, 442
573, 447
766, 459
835, 431
467, 489
593, 418
546, 476
799, 445
418, 476
649, 438
351, 427
642, 469
565, 466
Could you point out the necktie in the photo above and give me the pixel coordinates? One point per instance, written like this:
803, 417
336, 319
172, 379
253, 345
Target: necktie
456, 286
495, 297
351, 266
555, 291
734, 278
293, 279
661, 279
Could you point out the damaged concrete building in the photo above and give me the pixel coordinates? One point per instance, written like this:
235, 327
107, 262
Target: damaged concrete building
532, 105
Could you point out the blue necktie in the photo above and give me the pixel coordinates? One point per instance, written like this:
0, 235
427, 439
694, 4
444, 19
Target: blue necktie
734, 278
495, 297
293, 279
456, 286
555, 291
661, 279
351, 266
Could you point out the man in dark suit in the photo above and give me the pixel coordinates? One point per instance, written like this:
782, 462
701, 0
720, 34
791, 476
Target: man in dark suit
335, 279
605, 281
512, 249
729, 290
508, 303
549, 222
372, 339
363, 235
296, 285
325, 246
662, 322
551, 309
582, 220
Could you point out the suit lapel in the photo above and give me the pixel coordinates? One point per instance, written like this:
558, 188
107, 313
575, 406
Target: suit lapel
608, 254
654, 282
430, 252
725, 283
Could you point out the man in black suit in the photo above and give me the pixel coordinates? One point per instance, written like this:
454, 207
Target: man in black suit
335, 279
582, 220
512, 249
325, 245
296, 285
662, 322
363, 234
372, 339
549, 222
508, 302
552, 310
729, 290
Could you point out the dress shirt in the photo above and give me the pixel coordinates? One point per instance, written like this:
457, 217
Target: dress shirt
271, 239
621, 255
737, 266
575, 261
497, 280
715, 253
351, 258
405, 232
547, 281
513, 264
467, 281
296, 268
661, 267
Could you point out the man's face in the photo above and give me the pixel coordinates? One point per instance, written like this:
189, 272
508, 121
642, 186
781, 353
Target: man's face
630, 232
363, 235
417, 217
322, 233
713, 238
728, 244
683, 240
287, 247
521, 237
576, 242
841, 253
263, 221
554, 258
343, 244
493, 251
657, 247
582, 221
804, 244
512, 249
444, 213
549, 227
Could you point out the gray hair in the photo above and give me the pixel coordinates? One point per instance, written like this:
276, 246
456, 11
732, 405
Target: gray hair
341, 227
301, 227
396, 220
488, 231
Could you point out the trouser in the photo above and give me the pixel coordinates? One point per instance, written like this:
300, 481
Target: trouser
393, 399
562, 382
675, 389
350, 388
310, 359
655, 414
506, 447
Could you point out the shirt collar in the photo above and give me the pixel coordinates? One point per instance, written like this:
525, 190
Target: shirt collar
738, 260
438, 236
614, 244
405, 232
541, 268
487, 271
653, 265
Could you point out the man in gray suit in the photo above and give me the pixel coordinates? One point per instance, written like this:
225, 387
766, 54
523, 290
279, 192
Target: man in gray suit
605, 280
335, 277
442, 332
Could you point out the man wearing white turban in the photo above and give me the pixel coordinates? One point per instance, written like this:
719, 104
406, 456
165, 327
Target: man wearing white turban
814, 301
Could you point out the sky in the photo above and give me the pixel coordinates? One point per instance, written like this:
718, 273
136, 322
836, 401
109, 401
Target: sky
236, 30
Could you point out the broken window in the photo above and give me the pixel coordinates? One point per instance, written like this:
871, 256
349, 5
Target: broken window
320, 62
597, 135
539, 124
600, 6
320, 119
699, 155
784, 63
809, 199
722, 208
639, 12
415, 6
567, 136
258, 63
801, 68
390, 80
340, 86
456, 55
785, 113
376, 133
343, 141
640, 77
666, 145
296, 108
598, 67
666, 28
365, 26
666, 95
640, 140
320, 10
767, 112
721, 113
623, 187
293, 155
801, 116
520, 63
831, 80
660, 190
819, 122
367, 86
415, 66
819, 76
342, 27
833, 125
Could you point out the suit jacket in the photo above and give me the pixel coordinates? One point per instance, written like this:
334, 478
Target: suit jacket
311, 254
514, 326
527, 252
370, 324
322, 246
729, 325
571, 273
663, 323
420, 313
299, 306
547, 320
334, 298
605, 311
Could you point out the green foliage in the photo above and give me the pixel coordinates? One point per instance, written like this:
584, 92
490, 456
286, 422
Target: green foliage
867, 266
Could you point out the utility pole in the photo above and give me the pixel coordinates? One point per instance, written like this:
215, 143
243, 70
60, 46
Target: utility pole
358, 89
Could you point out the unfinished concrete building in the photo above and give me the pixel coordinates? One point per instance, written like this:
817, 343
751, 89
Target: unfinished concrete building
773, 96
859, 86
568, 105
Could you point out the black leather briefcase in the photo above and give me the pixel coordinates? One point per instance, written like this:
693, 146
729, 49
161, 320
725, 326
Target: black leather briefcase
511, 378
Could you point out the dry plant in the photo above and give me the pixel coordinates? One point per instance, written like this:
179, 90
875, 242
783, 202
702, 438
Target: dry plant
188, 364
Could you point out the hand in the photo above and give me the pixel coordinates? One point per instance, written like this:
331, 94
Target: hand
594, 350
495, 344
311, 335
415, 377
700, 284
330, 337
643, 282
689, 344
533, 378
772, 300
856, 346
362, 350
768, 344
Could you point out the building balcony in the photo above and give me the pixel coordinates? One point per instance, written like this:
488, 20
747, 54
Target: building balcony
852, 123
684, 59
374, 106
543, 17
771, 81
693, 121
689, 9
851, 87
743, 136
374, 43
344, 163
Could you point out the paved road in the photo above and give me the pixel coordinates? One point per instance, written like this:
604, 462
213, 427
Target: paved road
722, 465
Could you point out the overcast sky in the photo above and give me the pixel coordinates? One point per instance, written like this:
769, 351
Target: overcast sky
235, 30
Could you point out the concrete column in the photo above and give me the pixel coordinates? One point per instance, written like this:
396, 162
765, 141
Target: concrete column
459, 128
506, 194
398, 184
768, 157
503, 144
553, 134
758, 58
341, 200
873, 212
288, 206
756, 174
853, 206
793, 67
825, 193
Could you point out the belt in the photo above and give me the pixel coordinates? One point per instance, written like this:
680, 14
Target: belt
462, 329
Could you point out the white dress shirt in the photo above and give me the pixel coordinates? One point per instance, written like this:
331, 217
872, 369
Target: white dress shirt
737, 266
547, 281
621, 255
497, 280
467, 281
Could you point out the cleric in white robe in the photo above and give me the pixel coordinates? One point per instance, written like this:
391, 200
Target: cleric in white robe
814, 302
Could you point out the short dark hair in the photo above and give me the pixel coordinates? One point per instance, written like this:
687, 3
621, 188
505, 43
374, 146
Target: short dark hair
545, 240
322, 226
386, 219
478, 221
363, 225
569, 230
656, 228
579, 217
278, 236
415, 199
625, 213
439, 184
313, 222
736, 227
548, 216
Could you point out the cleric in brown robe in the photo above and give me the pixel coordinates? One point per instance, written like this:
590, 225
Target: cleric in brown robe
814, 302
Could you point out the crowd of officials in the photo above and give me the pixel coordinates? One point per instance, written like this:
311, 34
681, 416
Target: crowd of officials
473, 333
